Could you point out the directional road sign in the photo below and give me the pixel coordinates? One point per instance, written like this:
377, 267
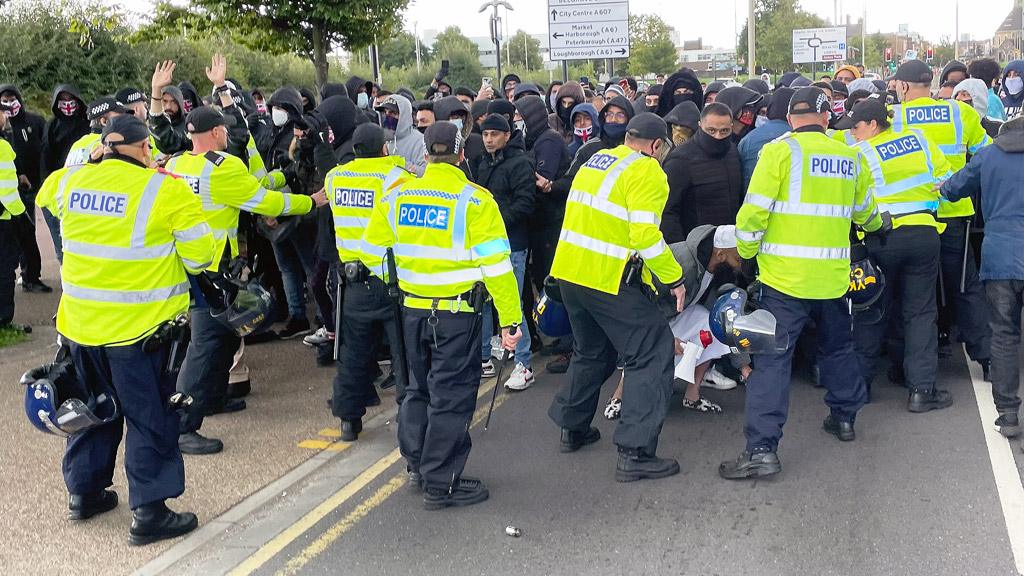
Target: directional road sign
585, 29
819, 45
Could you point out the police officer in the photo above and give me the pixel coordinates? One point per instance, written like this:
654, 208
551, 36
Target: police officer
87, 148
609, 245
11, 207
449, 242
956, 128
130, 235
904, 167
224, 186
354, 188
796, 221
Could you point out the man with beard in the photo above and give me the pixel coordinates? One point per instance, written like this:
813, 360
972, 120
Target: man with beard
167, 111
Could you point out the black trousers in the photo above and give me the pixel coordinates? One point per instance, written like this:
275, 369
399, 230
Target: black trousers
204, 374
151, 456
25, 227
444, 376
910, 263
367, 310
8, 263
1005, 299
969, 308
628, 325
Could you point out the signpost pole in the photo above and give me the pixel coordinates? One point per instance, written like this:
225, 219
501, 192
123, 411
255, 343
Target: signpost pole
565, 70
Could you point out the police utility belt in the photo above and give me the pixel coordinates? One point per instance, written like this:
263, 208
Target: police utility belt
354, 272
470, 301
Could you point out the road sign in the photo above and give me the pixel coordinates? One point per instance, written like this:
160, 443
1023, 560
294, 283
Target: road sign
585, 29
819, 45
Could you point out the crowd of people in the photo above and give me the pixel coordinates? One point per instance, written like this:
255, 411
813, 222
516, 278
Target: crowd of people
304, 192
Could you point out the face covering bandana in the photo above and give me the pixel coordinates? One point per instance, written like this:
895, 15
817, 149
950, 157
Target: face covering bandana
186, 106
760, 121
520, 125
714, 146
839, 108
615, 131
279, 117
67, 107
553, 100
422, 129
261, 107
362, 100
746, 117
1014, 85
678, 99
583, 133
13, 107
389, 122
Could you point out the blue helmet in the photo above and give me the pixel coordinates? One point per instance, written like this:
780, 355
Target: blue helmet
57, 403
866, 279
551, 317
735, 323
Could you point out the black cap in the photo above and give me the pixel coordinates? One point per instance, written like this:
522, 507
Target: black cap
104, 105
126, 129
847, 122
367, 140
206, 118
869, 109
388, 104
647, 126
495, 122
808, 100
129, 96
423, 105
503, 107
914, 71
442, 138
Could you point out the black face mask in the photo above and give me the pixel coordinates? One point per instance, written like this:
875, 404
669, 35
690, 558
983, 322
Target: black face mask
678, 99
422, 129
725, 274
715, 147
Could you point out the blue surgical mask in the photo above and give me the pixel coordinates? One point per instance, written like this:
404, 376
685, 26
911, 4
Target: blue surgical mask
457, 122
760, 121
362, 100
615, 131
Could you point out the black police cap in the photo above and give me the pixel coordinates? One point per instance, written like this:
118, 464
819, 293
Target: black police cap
129, 95
124, 129
442, 138
914, 71
647, 126
869, 109
808, 100
367, 140
206, 118
101, 106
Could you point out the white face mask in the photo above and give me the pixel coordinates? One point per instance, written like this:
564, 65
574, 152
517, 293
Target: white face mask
362, 100
279, 117
760, 121
457, 122
520, 125
1014, 85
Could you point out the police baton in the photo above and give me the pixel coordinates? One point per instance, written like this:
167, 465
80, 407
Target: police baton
497, 381
395, 293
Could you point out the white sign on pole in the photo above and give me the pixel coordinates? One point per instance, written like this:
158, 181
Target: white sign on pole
819, 45
585, 29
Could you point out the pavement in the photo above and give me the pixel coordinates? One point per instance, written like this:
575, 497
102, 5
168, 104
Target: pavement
937, 493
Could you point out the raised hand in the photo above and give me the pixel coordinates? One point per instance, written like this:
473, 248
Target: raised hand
217, 70
163, 75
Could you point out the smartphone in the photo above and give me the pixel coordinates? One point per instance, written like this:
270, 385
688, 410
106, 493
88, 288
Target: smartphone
486, 80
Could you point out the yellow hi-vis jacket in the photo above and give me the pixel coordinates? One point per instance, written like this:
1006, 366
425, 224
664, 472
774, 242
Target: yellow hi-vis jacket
130, 234
353, 189
905, 166
954, 127
224, 186
614, 211
796, 216
81, 150
10, 200
447, 235
274, 180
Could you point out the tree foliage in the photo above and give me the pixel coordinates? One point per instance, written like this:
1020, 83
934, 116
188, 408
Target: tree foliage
462, 55
775, 21
523, 51
874, 46
399, 51
651, 47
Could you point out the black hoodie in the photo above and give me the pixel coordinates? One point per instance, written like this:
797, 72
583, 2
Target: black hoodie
332, 89
190, 96
549, 154
310, 100
169, 131
341, 115
61, 132
26, 136
954, 65
508, 175
684, 78
354, 85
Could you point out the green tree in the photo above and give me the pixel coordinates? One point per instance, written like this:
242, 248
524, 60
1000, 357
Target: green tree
874, 46
944, 51
523, 51
462, 55
651, 47
775, 21
312, 27
398, 51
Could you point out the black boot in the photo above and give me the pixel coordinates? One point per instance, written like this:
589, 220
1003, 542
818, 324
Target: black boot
154, 522
415, 479
896, 375
986, 366
85, 506
465, 492
925, 400
239, 389
1008, 424
841, 429
230, 405
196, 443
756, 465
634, 465
573, 440
350, 429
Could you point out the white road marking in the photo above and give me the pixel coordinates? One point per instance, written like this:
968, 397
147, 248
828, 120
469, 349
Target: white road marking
1004, 467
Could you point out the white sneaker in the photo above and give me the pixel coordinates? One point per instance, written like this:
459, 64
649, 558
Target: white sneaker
715, 379
520, 379
487, 369
321, 336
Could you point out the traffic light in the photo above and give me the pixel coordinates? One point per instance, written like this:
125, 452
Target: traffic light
929, 54
888, 54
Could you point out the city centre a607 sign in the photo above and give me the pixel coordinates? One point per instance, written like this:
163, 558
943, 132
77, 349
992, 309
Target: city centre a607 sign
585, 29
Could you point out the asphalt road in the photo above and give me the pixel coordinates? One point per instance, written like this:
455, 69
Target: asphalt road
915, 494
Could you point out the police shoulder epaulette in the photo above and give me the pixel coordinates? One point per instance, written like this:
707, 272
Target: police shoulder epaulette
214, 157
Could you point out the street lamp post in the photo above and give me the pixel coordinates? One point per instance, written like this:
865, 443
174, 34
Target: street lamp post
751, 64
496, 29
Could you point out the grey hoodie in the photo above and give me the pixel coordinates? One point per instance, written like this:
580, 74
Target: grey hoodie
407, 142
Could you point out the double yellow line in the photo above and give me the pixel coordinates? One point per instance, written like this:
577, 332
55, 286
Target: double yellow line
336, 500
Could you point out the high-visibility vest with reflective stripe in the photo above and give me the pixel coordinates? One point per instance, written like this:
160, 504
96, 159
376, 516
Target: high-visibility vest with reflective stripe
614, 211
905, 166
224, 186
844, 136
130, 234
447, 235
10, 200
274, 180
353, 189
796, 216
954, 127
79, 152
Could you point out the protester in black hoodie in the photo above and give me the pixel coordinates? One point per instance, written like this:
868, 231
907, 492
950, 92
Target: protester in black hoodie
744, 104
69, 123
954, 71
680, 87
25, 133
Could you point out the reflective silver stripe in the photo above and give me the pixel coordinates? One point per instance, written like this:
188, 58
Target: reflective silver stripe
221, 233
759, 201
599, 204
372, 249
145, 208
745, 236
654, 250
802, 209
644, 217
811, 252
287, 204
392, 176
495, 270
863, 205
609, 179
440, 278
350, 222
9, 183
193, 265
796, 169
62, 186
118, 252
205, 194
8, 199
432, 252
124, 296
256, 199
194, 233
593, 244
7, 166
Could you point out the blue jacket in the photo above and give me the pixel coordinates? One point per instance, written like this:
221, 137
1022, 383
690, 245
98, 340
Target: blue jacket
751, 144
589, 110
997, 171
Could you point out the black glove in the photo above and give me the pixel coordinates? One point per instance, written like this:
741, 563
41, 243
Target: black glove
443, 72
749, 268
884, 229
